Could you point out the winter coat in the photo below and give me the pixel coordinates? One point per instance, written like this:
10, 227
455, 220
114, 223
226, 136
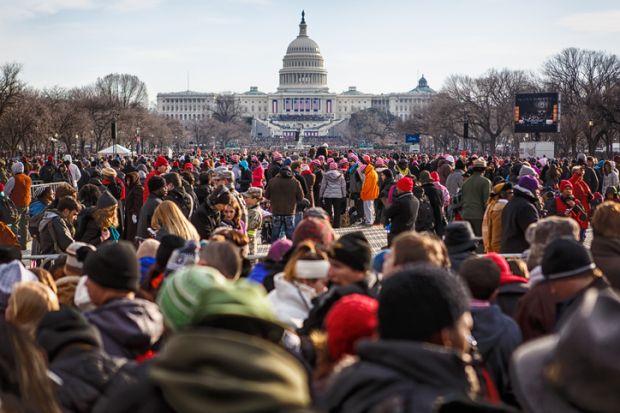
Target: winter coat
146, 184
402, 213
47, 172
291, 301
309, 178
333, 185
444, 172
475, 196
146, 214
606, 253
538, 312
557, 206
457, 258
370, 187
129, 328
55, 233
284, 192
85, 374
7, 236
272, 171
355, 180
434, 197
133, 206
581, 191
610, 180
508, 294
258, 177
20, 192
316, 189
398, 376
245, 179
492, 226
518, 214
202, 192
454, 182
497, 336
88, 231
591, 179
234, 373
182, 199
205, 219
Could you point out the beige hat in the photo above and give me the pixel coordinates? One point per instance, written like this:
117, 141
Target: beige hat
76, 257
108, 172
253, 192
480, 163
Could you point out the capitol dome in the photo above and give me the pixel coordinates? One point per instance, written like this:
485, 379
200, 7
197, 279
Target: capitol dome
303, 67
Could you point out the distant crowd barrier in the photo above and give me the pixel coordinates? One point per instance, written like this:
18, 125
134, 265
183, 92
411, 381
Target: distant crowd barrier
37, 187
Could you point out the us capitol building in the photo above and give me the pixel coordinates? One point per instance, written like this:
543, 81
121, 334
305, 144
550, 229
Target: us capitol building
303, 106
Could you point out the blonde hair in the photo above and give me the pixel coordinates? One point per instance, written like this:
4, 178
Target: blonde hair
306, 250
28, 303
606, 220
106, 217
410, 247
168, 216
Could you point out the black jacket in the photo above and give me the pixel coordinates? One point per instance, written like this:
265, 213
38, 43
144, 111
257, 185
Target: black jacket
517, 215
146, 214
397, 376
435, 198
245, 180
88, 231
402, 213
182, 199
497, 336
205, 219
272, 171
85, 375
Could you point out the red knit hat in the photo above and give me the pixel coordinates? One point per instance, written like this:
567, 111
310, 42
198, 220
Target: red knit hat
405, 184
161, 161
352, 318
317, 230
435, 176
50, 158
188, 166
175, 164
366, 158
506, 276
565, 184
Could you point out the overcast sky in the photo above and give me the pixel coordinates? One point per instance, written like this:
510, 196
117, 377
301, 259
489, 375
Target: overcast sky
230, 45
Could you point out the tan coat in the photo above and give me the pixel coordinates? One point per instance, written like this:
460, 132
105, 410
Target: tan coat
492, 226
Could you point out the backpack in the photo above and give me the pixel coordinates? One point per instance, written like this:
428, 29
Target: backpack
33, 224
425, 220
8, 211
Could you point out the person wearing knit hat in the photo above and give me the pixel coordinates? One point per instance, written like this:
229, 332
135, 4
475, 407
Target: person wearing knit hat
101, 223
379, 162
401, 215
519, 214
74, 353
161, 167
146, 256
351, 319
108, 172
314, 229
77, 252
304, 278
332, 166
129, 326
254, 372
511, 286
566, 205
569, 271
18, 189
424, 325
350, 259
178, 296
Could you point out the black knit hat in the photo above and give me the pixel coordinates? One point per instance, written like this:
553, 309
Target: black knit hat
167, 245
155, 183
566, 257
57, 329
106, 200
419, 301
114, 265
353, 250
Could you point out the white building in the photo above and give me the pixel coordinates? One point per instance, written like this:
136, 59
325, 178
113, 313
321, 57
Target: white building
302, 105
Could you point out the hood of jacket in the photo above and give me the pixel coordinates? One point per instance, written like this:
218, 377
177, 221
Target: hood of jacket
489, 327
291, 302
50, 214
285, 173
234, 373
332, 175
387, 363
133, 325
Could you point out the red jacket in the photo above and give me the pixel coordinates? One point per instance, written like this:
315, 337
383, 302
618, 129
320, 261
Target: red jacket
258, 176
146, 184
577, 213
581, 191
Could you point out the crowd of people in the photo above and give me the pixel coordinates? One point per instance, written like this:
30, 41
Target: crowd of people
146, 289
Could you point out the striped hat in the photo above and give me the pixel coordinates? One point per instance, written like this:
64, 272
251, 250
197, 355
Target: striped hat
179, 296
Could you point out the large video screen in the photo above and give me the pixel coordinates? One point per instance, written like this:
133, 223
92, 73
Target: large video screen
537, 112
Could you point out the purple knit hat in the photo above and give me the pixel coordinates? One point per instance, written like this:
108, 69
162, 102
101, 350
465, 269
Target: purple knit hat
529, 182
279, 248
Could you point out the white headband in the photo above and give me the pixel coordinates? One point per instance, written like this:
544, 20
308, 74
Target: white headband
311, 269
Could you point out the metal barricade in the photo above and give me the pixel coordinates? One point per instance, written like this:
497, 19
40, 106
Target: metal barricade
36, 189
44, 259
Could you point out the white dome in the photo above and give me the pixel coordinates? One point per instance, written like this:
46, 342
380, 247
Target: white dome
302, 66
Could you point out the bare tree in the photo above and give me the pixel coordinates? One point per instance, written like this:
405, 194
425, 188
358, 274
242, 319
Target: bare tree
487, 101
227, 109
373, 125
11, 87
124, 90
